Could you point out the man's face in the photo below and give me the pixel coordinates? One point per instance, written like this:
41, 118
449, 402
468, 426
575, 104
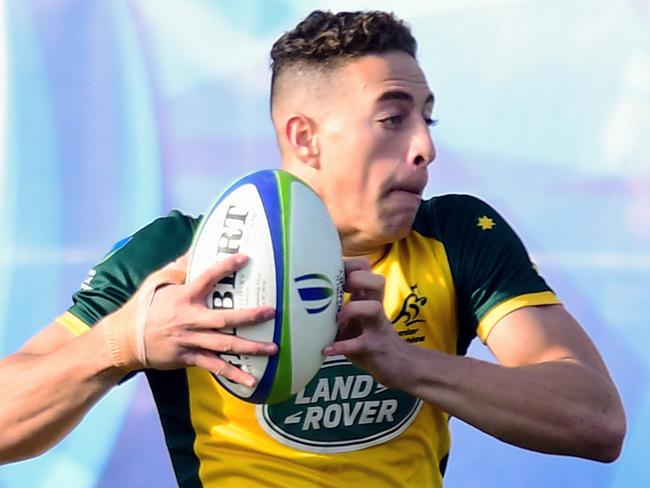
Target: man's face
375, 147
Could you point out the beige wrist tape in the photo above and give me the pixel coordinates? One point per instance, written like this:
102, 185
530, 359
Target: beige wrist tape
124, 329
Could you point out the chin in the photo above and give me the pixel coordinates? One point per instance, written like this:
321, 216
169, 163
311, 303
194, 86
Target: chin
396, 225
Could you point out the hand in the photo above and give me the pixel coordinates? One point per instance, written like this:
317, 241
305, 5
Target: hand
179, 330
366, 336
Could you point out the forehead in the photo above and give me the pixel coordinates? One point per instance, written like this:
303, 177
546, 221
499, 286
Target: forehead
371, 76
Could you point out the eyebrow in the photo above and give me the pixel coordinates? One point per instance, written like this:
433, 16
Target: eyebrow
402, 95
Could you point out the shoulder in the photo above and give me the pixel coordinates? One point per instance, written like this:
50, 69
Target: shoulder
492, 272
154, 245
444, 214
174, 224
112, 281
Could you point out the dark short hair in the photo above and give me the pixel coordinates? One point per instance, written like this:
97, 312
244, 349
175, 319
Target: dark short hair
324, 39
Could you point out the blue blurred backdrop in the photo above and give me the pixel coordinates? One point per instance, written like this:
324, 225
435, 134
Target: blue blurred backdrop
114, 112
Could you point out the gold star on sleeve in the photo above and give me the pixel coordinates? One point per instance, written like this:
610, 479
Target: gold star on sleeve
485, 223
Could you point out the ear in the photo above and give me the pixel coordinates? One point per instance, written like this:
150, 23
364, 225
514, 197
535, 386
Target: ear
300, 131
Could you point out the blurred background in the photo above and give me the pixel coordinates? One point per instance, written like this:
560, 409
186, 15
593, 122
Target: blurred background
115, 112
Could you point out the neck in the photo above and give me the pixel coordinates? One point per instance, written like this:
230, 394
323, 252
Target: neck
353, 248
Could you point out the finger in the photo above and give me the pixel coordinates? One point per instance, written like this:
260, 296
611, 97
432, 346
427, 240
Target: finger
363, 312
356, 316
356, 264
365, 285
226, 343
216, 365
349, 347
206, 281
218, 319
348, 330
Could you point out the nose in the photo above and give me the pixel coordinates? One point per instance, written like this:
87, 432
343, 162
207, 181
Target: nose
422, 150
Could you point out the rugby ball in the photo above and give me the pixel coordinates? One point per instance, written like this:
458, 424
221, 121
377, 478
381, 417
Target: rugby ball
295, 265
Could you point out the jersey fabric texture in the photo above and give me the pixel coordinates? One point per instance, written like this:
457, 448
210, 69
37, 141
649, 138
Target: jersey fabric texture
458, 272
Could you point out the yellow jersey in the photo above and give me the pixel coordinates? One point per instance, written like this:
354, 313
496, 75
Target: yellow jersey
458, 271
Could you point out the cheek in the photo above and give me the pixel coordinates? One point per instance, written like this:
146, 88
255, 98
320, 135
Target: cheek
344, 190
343, 165
356, 165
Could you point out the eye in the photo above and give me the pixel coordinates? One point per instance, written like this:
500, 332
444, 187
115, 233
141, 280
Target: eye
431, 122
392, 122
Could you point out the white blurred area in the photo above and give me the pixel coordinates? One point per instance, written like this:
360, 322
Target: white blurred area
3, 106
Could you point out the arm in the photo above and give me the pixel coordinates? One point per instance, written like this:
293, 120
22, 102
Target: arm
49, 385
551, 391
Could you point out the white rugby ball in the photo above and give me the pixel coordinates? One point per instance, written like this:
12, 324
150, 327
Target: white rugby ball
295, 265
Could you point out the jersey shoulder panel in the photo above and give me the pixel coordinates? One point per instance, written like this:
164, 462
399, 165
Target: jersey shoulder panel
111, 282
489, 263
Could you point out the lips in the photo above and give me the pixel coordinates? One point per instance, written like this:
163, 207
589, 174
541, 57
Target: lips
404, 196
415, 187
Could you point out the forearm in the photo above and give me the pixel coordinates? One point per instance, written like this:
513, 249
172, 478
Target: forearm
46, 389
560, 407
42, 397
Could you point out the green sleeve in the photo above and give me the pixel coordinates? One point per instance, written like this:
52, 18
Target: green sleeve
489, 263
112, 282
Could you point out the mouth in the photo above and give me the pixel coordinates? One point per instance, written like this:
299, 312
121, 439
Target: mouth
414, 188
404, 199
405, 193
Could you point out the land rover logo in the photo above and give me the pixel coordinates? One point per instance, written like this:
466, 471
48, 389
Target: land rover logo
342, 409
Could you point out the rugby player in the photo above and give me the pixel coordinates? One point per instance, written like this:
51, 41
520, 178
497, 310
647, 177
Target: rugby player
352, 109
